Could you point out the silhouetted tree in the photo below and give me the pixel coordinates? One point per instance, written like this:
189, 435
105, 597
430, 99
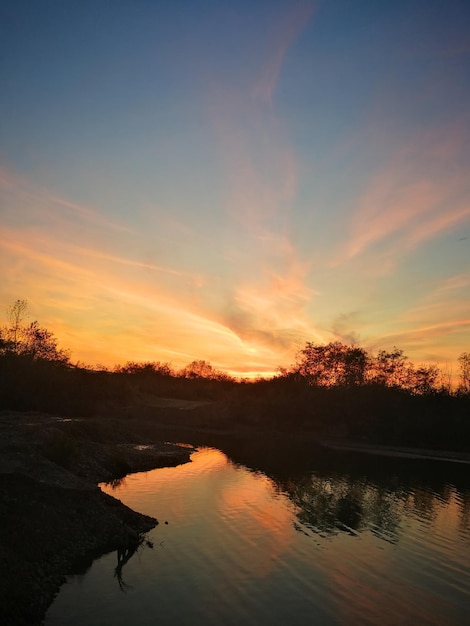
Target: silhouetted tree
355, 365
31, 340
390, 368
423, 380
16, 313
333, 364
199, 369
39, 343
464, 363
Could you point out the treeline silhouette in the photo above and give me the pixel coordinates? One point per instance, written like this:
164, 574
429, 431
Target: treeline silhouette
332, 390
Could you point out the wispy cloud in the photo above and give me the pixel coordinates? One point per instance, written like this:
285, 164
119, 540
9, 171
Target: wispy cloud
24, 197
436, 326
439, 224
285, 35
425, 334
421, 192
454, 283
86, 213
260, 163
446, 302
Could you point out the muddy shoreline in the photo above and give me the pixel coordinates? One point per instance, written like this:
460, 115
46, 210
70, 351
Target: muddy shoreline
53, 516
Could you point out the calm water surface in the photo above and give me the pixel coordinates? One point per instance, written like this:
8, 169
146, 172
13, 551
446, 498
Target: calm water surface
241, 548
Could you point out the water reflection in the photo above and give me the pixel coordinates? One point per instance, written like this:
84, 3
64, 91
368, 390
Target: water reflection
328, 506
300, 542
129, 543
348, 493
116, 482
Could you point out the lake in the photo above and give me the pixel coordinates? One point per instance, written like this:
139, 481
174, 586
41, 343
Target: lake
332, 543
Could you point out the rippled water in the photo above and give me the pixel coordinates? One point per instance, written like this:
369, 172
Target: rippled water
241, 548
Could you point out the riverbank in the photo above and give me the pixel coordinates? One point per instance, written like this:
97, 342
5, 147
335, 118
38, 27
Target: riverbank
424, 454
53, 516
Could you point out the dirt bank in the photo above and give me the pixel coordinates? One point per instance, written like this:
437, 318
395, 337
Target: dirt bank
52, 514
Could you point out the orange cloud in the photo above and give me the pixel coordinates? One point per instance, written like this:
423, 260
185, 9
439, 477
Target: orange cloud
442, 307
107, 307
429, 331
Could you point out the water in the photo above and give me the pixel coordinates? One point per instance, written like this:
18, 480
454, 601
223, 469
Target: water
309, 547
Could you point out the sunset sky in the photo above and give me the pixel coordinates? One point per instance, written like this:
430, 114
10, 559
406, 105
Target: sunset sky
226, 180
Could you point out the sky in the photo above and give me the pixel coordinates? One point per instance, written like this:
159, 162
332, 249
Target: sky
226, 180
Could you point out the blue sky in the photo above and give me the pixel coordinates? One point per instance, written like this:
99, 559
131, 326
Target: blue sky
226, 181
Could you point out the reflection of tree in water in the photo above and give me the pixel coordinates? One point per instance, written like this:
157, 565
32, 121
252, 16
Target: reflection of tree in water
328, 506
117, 482
338, 492
375, 496
423, 502
464, 517
384, 514
130, 541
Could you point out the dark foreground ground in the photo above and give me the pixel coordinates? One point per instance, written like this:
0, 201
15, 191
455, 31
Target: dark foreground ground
54, 519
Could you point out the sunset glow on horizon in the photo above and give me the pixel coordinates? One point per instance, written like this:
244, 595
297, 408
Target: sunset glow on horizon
227, 181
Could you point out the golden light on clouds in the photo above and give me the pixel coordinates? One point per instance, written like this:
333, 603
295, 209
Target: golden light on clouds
256, 190
109, 308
